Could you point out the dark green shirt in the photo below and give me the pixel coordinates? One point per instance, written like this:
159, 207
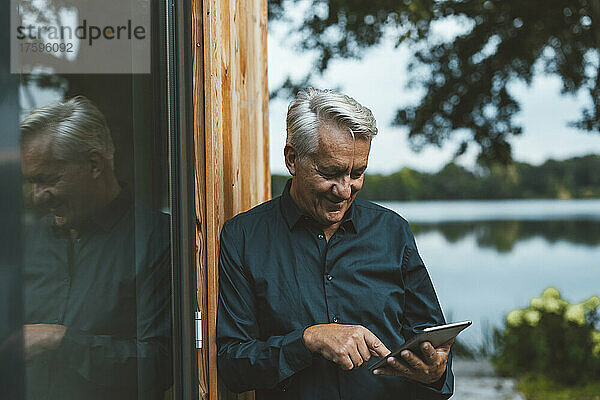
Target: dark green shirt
278, 275
110, 288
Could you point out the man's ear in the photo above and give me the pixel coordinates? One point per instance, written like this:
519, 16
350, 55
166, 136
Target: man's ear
291, 158
96, 164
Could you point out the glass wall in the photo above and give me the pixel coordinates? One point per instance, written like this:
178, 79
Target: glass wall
85, 163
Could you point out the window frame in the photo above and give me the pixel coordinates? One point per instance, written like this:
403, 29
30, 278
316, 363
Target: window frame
182, 194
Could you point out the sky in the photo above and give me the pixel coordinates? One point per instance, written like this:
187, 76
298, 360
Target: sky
379, 80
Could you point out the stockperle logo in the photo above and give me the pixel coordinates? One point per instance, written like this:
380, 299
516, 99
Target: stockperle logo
80, 36
87, 32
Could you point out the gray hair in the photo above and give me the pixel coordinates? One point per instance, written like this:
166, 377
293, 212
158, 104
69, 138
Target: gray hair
313, 106
76, 128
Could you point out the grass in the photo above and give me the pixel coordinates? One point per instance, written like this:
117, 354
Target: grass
540, 388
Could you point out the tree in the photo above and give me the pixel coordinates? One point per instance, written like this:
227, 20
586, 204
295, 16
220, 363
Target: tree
466, 83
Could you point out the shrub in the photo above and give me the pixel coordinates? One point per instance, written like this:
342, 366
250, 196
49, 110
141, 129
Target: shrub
552, 338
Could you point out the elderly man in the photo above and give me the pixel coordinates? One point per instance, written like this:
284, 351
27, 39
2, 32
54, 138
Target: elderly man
314, 283
96, 266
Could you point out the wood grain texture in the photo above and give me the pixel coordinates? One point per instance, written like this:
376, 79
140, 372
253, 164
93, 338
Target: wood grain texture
262, 94
232, 171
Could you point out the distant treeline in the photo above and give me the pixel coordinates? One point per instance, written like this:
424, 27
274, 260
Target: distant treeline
577, 177
502, 236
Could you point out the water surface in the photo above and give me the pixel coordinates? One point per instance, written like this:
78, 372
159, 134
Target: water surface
489, 257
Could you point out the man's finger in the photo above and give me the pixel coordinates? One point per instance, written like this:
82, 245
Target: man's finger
346, 363
429, 353
356, 358
376, 345
411, 359
363, 350
388, 371
402, 368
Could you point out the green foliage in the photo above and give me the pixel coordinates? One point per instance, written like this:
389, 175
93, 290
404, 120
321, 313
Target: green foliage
551, 338
465, 79
572, 178
277, 184
535, 387
345, 28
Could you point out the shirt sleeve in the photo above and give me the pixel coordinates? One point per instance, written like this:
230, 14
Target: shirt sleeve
422, 310
246, 361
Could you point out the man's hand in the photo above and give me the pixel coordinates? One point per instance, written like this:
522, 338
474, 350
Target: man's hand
427, 369
349, 346
40, 338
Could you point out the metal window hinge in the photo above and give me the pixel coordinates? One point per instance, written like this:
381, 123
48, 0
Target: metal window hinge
198, 329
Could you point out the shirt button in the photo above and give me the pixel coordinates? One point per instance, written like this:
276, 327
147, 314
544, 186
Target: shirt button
320, 236
335, 320
328, 277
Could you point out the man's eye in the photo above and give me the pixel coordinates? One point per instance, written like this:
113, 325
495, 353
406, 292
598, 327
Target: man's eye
326, 175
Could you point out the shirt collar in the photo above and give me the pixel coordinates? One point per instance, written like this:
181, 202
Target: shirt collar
293, 215
108, 217
105, 219
291, 212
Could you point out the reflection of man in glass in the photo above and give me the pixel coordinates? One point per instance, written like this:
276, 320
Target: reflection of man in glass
96, 267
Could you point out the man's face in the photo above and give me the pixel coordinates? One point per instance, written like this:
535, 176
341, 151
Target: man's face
59, 187
326, 182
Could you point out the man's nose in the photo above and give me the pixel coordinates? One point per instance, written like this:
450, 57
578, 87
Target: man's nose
342, 188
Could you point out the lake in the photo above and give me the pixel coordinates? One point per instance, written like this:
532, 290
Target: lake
488, 257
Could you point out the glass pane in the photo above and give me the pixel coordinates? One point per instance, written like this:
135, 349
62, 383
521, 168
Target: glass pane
96, 251
11, 358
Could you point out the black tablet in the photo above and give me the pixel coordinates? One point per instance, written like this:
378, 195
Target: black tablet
436, 335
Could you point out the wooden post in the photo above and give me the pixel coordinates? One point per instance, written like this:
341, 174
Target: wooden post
231, 129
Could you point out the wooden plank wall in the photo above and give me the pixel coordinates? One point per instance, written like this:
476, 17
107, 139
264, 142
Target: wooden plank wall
232, 156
